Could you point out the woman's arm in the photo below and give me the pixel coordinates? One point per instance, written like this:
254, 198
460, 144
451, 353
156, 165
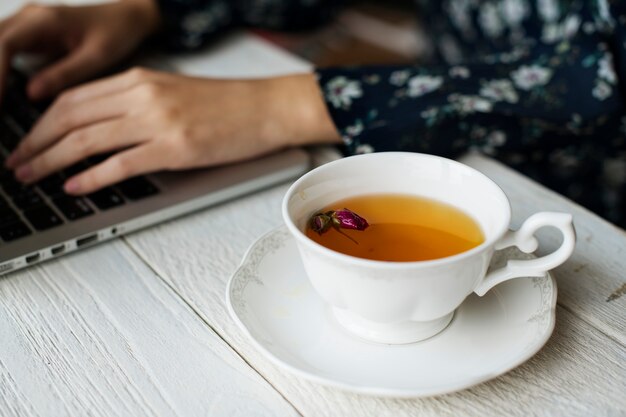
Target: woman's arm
159, 121
156, 121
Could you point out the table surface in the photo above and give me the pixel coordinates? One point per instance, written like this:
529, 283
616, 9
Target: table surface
139, 326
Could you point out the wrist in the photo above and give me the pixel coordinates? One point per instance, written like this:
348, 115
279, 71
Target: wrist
299, 106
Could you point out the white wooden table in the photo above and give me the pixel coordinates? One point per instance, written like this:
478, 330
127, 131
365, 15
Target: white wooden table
139, 327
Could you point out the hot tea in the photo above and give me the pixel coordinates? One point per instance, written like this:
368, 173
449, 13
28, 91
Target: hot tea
402, 228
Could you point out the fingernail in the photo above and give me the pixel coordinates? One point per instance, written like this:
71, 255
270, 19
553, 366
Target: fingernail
24, 172
71, 186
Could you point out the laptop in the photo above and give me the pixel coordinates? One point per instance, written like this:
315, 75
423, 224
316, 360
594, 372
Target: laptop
41, 222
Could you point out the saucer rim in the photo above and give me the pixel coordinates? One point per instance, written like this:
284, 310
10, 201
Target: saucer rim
379, 391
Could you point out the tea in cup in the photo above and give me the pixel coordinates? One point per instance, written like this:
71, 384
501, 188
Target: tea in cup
394, 242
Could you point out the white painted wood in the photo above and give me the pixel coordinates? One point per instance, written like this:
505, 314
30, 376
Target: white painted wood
98, 334
239, 55
580, 372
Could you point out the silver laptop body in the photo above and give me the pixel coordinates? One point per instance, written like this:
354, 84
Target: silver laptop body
178, 193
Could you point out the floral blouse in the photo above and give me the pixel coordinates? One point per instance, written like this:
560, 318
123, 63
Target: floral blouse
539, 85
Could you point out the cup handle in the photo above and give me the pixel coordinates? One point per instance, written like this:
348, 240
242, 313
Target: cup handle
525, 240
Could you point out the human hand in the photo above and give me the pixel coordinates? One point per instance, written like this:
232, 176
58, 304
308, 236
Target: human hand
85, 40
159, 121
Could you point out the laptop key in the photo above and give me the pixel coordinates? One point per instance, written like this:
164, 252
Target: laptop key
8, 215
8, 137
42, 217
27, 199
21, 110
106, 198
10, 185
52, 185
15, 230
137, 188
24, 116
73, 208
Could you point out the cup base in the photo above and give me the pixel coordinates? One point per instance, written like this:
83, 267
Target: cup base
390, 333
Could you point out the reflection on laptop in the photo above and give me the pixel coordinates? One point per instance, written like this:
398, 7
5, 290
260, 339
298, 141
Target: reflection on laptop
41, 222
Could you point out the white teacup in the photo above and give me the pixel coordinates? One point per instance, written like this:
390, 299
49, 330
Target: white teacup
404, 302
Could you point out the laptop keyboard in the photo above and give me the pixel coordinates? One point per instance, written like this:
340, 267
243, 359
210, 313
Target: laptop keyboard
25, 210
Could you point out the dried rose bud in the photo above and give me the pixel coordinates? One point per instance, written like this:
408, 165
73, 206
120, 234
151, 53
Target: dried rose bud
338, 219
347, 219
320, 223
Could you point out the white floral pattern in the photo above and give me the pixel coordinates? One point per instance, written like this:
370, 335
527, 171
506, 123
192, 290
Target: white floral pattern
548, 10
364, 148
606, 70
459, 13
602, 90
496, 138
555, 32
514, 11
528, 77
423, 84
399, 78
492, 141
352, 131
340, 92
499, 90
490, 20
470, 104
459, 72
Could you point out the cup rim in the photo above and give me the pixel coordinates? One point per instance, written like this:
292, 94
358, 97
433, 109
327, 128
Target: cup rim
301, 237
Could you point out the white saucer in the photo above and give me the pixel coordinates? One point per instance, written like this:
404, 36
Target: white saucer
270, 298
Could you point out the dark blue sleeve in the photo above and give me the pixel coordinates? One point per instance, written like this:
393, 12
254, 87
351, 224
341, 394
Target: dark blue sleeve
544, 94
541, 98
188, 24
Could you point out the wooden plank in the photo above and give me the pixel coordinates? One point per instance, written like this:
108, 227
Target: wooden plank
580, 372
97, 333
592, 282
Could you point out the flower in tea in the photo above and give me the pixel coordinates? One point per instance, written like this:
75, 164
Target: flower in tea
349, 220
320, 223
337, 219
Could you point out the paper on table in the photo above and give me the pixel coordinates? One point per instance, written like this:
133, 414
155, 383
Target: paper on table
241, 55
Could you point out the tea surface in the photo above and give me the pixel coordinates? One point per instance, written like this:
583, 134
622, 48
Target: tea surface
403, 228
